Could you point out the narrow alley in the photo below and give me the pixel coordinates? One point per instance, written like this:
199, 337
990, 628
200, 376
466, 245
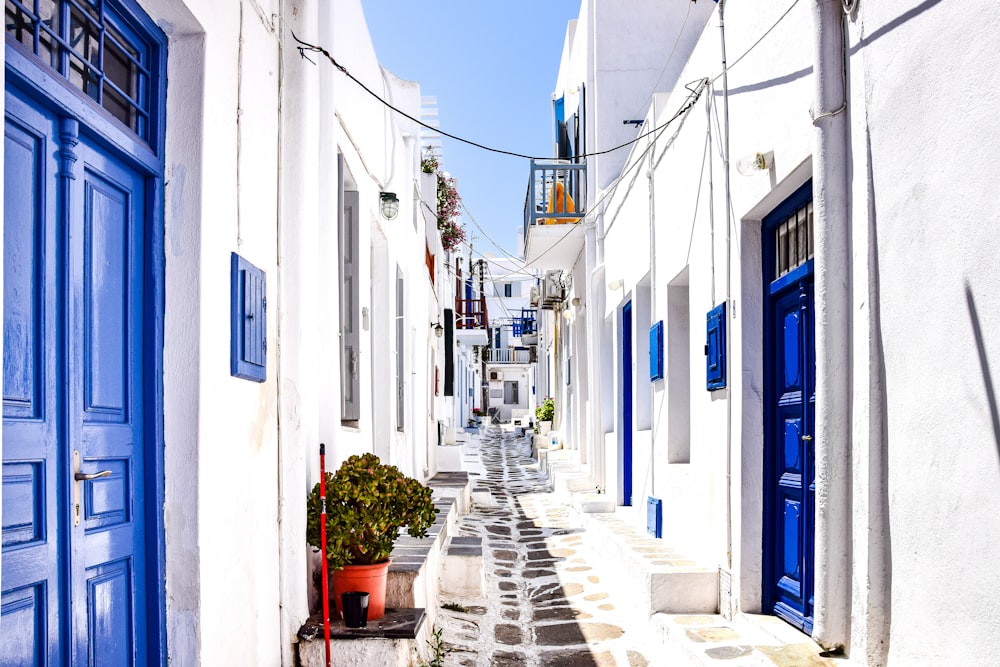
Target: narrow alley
551, 600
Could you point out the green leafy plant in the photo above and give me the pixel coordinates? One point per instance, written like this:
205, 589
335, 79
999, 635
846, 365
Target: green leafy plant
429, 162
546, 411
367, 503
439, 650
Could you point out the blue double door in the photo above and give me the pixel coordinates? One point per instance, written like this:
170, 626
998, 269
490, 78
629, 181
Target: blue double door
78, 553
789, 412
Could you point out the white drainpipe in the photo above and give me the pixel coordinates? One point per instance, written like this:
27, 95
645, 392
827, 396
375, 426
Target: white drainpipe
833, 349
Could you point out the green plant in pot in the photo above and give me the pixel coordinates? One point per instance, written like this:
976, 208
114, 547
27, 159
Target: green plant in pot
545, 413
367, 503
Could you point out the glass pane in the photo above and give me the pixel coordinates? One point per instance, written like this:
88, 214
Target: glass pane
809, 215
783, 249
85, 37
19, 25
802, 235
83, 77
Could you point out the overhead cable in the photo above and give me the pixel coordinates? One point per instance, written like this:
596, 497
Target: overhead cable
315, 48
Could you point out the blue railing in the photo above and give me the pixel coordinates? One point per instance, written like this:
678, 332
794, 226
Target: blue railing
526, 323
557, 193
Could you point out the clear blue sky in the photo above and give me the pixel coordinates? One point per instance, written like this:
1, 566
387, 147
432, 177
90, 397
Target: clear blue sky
492, 67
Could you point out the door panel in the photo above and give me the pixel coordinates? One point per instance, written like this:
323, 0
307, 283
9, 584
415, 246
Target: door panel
106, 427
789, 528
33, 515
627, 389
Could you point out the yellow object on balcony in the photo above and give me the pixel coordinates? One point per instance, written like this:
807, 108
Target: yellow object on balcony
562, 202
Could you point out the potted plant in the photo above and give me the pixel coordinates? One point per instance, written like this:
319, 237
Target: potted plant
367, 503
544, 413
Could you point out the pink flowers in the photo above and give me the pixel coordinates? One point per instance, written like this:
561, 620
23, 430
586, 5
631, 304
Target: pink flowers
448, 211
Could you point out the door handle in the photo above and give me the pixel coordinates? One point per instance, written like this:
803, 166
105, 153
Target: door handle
86, 477
807, 438
82, 477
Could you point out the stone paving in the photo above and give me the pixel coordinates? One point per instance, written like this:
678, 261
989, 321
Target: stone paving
546, 601
550, 601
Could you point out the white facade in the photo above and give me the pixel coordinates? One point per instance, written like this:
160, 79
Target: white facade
512, 388
904, 300
253, 132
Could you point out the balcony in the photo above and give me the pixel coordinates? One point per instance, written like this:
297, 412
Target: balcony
556, 202
508, 355
470, 322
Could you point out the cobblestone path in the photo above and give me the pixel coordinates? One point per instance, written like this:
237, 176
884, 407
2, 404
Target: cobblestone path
548, 601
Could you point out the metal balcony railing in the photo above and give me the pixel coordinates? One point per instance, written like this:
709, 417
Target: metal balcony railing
508, 355
470, 313
557, 193
526, 323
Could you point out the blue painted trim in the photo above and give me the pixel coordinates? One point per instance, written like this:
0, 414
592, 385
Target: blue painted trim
778, 215
654, 516
791, 278
715, 348
656, 351
627, 404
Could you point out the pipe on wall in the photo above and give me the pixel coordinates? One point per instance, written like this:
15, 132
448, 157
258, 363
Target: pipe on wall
832, 297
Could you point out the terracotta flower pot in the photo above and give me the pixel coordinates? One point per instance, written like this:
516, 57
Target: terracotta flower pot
368, 578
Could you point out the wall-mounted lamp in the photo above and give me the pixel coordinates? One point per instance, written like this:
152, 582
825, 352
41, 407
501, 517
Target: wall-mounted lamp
616, 284
756, 162
390, 205
438, 329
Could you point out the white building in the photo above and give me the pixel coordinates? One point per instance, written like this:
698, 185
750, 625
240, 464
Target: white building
835, 456
200, 287
509, 355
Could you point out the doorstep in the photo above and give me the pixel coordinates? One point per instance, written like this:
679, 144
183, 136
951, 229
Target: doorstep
391, 640
660, 578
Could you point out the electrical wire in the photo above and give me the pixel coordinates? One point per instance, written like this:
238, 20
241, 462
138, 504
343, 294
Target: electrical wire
693, 96
314, 48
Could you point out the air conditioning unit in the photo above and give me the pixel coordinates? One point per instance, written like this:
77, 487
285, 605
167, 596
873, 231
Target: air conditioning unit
494, 375
533, 295
552, 291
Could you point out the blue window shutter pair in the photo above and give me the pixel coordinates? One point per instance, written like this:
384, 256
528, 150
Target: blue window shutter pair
656, 352
248, 321
715, 349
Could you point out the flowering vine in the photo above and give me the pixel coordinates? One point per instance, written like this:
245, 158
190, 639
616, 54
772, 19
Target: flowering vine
448, 204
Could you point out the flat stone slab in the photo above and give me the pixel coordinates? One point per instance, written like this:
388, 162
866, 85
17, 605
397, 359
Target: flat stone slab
449, 479
396, 624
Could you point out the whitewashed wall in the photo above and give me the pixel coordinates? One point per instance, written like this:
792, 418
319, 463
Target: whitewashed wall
240, 456
924, 452
926, 278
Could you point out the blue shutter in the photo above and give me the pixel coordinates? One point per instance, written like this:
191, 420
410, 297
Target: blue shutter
656, 351
654, 516
248, 321
715, 348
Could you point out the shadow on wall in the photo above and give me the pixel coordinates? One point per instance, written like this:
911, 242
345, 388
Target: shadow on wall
864, 41
984, 364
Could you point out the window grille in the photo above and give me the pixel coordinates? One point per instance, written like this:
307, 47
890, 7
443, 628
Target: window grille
92, 48
794, 240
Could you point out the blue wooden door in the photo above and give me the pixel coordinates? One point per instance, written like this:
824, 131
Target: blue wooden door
789, 363
625, 460
74, 577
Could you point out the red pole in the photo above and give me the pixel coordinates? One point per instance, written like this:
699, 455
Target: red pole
322, 540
